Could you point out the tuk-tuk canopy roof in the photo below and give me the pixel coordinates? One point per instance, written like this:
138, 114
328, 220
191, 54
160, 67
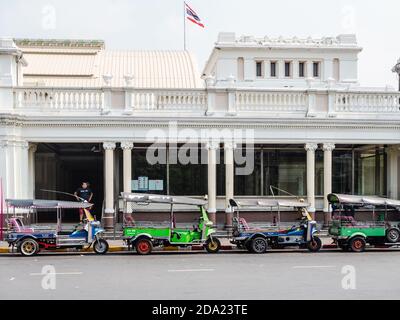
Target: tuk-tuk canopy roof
362, 200
46, 204
269, 203
157, 198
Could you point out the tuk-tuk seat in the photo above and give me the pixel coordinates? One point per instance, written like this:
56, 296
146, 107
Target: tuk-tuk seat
244, 224
129, 221
18, 226
347, 220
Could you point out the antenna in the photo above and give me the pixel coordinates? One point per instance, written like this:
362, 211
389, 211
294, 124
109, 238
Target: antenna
281, 190
66, 193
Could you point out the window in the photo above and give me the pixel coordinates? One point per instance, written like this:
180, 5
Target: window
249, 185
188, 179
259, 69
286, 170
370, 172
273, 69
316, 70
342, 171
288, 69
360, 171
302, 69
143, 172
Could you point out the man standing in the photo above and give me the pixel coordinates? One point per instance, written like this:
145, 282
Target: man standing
85, 193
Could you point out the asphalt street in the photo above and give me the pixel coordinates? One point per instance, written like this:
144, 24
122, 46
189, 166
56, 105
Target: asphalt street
228, 275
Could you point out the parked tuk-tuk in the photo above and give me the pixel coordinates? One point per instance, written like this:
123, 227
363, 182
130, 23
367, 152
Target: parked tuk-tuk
30, 240
352, 235
144, 237
260, 239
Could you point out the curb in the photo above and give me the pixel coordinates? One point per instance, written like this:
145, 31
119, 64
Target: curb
4, 250
110, 249
329, 246
223, 247
170, 249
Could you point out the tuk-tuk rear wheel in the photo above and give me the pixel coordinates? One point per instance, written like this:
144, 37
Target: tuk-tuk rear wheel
259, 245
357, 244
143, 246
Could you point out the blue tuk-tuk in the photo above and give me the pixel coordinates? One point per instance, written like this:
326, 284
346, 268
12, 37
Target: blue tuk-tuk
30, 240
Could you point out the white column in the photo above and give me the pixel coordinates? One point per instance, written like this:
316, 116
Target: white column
229, 180
393, 160
328, 148
310, 148
109, 148
31, 169
23, 182
212, 180
4, 168
127, 147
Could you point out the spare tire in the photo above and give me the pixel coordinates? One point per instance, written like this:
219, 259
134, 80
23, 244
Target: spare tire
393, 235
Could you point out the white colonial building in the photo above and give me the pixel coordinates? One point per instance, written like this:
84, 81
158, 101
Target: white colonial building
72, 111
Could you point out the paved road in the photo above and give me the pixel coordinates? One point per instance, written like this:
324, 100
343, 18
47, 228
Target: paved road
233, 275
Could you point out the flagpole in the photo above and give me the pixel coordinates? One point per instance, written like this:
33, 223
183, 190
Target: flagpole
184, 26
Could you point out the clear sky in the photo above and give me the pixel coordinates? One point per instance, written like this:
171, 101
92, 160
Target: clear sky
158, 24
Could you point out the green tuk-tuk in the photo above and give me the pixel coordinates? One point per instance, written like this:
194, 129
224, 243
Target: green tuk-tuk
352, 235
143, 237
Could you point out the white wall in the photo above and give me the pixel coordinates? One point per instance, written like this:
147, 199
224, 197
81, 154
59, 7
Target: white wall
229, 49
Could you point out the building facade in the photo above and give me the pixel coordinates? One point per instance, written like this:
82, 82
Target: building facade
287, 113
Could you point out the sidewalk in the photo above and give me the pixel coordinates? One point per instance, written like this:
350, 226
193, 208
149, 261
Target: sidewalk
119, 245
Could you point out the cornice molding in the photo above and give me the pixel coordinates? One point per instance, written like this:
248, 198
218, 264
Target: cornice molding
101, 122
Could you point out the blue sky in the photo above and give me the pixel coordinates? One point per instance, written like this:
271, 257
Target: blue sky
158, 24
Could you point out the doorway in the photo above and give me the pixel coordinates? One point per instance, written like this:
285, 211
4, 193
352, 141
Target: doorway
63, 167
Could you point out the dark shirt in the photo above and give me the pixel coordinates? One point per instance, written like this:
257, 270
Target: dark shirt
84, 193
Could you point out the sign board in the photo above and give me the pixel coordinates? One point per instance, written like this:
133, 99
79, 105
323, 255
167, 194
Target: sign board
144, 184
156, 185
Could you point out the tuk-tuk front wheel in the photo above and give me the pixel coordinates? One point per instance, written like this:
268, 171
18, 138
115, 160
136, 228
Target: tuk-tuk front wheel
100, 246
28, 247
314, 245
213, 245
357, 244
143, 246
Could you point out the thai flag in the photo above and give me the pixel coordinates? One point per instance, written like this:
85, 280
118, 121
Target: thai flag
192, 16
